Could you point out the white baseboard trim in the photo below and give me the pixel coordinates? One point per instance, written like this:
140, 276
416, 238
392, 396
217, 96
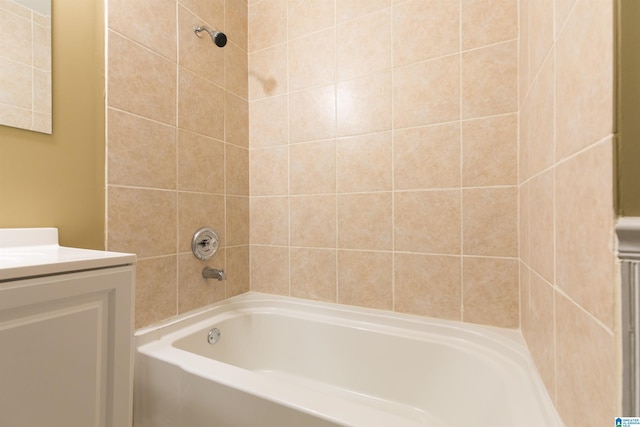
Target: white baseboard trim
628, 232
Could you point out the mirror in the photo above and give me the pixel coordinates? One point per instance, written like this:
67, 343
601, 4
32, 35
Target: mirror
25, 64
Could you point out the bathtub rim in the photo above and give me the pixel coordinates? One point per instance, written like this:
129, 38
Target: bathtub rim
510, 337
509, 344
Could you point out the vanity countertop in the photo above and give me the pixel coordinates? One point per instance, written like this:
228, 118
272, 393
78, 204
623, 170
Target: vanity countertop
28, 252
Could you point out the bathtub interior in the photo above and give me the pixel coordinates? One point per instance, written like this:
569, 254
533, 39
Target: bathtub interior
421, 371
422, 374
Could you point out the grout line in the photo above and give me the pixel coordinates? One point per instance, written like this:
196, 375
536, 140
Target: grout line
335, 144
461, 160
288, 94
177, 207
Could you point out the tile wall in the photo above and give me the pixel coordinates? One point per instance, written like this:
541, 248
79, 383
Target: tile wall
380, 166
383, 154
569, 277
25, 68
177, 148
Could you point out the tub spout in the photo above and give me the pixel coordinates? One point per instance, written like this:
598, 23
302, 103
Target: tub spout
213, 273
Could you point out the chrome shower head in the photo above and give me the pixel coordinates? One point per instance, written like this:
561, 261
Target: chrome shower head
218, 37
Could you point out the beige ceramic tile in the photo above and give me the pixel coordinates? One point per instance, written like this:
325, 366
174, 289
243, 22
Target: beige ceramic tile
197, 210
192, 50
210, 12
200, 163
486, 22
270, 220
539, 329
17, 41
309, 16
541, 36
491, 291
141, 221
364, 45
200, 105
490, 221
236, 23
42, 46
42, 91
523, 51
425, 30
135, 78
428, 285
268, 72
541, 226
270, 269
312, 167
313, 274
349, 9
586, 368
41, 20
237, 223
313, 221
365, 221
194, 291
363, 163
364, 104
16, 117
562, 10
237, 271
541, 119
312, 114
585, 261
156, 290
150, 23
427, 157
526, 324
141, 152
365, 278
15, 8
524, 211
41, 122
427, 221
312, 60
489, 80
269, 171
524, 130
490, 151
427, 92
584, 100
267, 24
236, 120
268, 122
236, 68
19, 93
236, 170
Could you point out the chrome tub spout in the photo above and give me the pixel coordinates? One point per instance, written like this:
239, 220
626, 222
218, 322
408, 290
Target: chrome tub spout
213, 273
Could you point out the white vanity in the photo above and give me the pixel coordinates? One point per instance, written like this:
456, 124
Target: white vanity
66, 333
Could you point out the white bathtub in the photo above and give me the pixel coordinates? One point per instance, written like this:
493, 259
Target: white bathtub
286, 362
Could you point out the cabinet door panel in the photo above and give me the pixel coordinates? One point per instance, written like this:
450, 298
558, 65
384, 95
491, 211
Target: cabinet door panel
60, 364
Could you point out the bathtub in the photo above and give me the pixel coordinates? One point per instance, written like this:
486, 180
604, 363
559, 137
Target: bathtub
280, 361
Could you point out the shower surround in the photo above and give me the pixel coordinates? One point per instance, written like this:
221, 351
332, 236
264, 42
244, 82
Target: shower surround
383, 155
444, 158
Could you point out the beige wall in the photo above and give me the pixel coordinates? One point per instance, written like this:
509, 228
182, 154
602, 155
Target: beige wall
569, 277
629, 109
58, 180
384, 155
177, 149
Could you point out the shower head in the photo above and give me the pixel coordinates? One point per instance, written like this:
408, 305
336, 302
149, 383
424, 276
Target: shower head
218, 37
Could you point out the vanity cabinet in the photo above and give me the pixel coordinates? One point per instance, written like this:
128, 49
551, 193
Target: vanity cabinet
66, 330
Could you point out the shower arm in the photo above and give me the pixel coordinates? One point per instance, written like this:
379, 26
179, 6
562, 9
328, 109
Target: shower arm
218, 37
